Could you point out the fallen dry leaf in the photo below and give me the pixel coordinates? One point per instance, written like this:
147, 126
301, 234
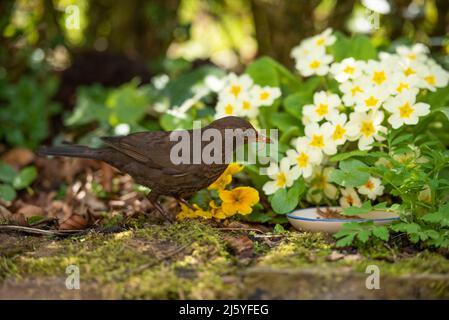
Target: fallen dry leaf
19, 157
242, 246
74, 222
25, 212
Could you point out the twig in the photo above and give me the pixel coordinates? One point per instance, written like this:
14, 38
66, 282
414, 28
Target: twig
171, 254
269, 235
240, 229
40, 231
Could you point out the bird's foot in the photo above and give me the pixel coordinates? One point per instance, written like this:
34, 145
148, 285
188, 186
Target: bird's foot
162, 211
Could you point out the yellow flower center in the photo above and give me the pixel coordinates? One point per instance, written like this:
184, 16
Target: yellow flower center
379, 77
409, 71
369, 185
320, 41
235, 90
229, 109
303, 160
281, 180
317, 141
355, 90
349, 199
411, 56
371, 101
367, 128
338, 132
402, 86
349, 70
264, 95
405, 111
315, 64
322, 109
246, 105
430, 80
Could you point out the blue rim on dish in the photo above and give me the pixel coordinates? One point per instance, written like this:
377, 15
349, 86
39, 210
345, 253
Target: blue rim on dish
291, 216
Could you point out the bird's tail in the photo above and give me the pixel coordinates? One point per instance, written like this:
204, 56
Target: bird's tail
70, 151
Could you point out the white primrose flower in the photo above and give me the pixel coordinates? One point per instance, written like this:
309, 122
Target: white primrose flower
236, 85
347, 69
324, 106
412, 68
378, 73
265, 96
227, 106
372, 188
324, 39
433, 77
339, 128
320, 185
303, 158
401, 82
314, 64
320, 137
404, 109
418, 52
351, 92
349, 197
305, 49
370, 99
366, 127
282, 176
246, 106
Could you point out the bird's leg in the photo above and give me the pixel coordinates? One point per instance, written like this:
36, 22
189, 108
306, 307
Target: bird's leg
153, 200
185, 202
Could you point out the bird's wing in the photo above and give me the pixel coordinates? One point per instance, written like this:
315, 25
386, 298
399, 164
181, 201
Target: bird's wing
150, 148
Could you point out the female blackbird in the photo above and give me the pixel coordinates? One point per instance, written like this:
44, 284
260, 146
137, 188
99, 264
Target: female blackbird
148, 157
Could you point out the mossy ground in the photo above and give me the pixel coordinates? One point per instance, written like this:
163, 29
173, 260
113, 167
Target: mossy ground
189, 259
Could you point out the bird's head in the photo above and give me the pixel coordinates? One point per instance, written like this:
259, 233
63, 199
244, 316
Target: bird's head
243, 129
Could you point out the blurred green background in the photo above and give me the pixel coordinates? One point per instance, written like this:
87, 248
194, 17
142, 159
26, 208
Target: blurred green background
79, 69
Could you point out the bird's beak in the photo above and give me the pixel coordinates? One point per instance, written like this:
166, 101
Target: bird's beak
262, 139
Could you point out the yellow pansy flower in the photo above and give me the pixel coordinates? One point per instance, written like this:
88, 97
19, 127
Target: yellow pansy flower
239, 200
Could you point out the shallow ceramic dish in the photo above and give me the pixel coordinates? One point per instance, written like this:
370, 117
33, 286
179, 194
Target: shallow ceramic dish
309, 220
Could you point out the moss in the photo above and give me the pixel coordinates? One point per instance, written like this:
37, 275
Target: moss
139, 263
186, 260
297, 249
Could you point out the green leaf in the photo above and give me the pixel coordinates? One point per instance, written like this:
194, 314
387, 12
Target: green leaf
347, 155
381, 233
284, 122
353, 210
352, 165
401, 139
294, 103
284, 201
440, 217
350, 174
278, 229
348, 179
346, 240
263, 72
179, 89
363, 235
7, 173
445, 111
359, 47
25, 177
7, 192
169, 122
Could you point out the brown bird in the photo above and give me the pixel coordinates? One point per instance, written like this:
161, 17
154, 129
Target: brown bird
148, 157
